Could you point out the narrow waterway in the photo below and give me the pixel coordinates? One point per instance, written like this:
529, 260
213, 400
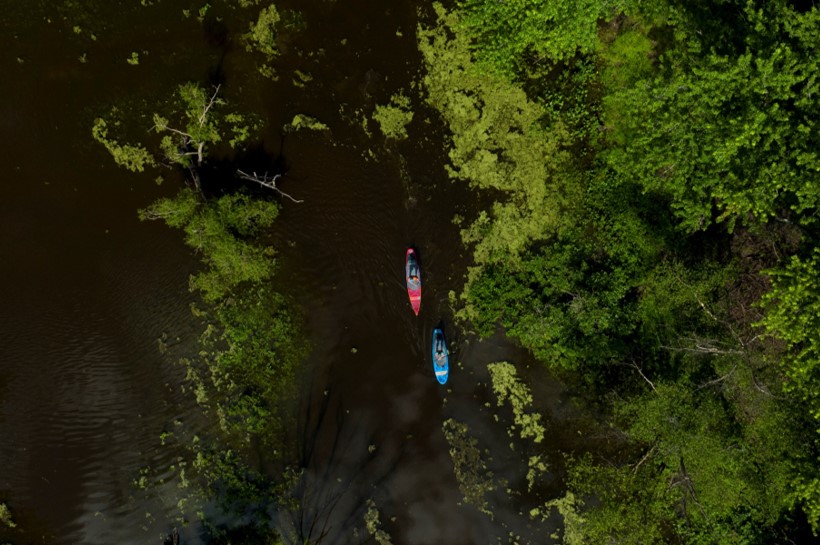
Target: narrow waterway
87, 290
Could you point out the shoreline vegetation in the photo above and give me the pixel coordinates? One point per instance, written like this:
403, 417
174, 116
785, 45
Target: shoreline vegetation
654, 242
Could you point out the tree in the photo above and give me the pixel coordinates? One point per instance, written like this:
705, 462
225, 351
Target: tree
506, 35
793, 317
728, 137
195, 126
221, 230
199, 129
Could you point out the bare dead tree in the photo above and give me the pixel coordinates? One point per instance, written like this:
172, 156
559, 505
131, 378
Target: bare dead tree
266, 181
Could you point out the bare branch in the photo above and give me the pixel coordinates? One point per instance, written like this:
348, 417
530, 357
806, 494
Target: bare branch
208, 107
265, 181
195, 179
167, 128
642, 460
719, 379
702, 346
640, 372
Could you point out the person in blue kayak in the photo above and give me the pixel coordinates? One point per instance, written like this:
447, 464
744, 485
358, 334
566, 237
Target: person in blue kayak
440, 350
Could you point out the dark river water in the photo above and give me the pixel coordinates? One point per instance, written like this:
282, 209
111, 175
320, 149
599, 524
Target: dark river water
87, 290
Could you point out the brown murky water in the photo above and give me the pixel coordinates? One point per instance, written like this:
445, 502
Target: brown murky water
86, 289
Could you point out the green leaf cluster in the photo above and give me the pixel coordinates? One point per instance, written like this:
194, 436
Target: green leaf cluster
394, 117
134, 158
497, 142
505, 35
221, 231
5, 516
303, 121
198, 126
263, 33
793, 316
700, 477
508, 387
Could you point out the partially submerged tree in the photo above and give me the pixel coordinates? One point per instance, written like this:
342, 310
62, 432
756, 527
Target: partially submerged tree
221, 231
195, 123
198, 128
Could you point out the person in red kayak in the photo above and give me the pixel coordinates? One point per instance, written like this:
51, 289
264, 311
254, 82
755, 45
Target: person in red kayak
413, 277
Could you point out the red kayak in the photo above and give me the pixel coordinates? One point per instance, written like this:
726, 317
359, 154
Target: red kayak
412, 274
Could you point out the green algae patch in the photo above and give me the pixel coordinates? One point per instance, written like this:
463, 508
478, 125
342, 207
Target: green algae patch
394, 117
302, 121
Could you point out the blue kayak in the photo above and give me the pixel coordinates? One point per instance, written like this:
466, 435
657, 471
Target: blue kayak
441, 356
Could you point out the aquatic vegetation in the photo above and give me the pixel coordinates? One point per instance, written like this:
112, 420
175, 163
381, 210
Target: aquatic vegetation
262, 34
5, 516
373, 525
509, 388
474, 479
497, 142
186, 132
394, 117
300, 79
569, 507
243, 373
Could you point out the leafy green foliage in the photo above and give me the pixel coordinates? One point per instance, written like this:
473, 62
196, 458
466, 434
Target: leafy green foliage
498, 143
696, 477
728, 137
569, 508
245, 370
373, 525
5, 516
134, 158
626, 58
198, 127
505, 33
393, 118
302, 121
253, 355
220, 230
194, 125
793, 316
262, 34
